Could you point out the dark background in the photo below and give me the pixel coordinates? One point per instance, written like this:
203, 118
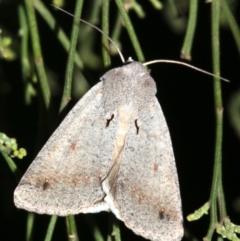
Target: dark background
186, 97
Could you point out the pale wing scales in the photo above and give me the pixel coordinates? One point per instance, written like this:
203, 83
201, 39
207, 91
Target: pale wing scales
147, 194
55, 183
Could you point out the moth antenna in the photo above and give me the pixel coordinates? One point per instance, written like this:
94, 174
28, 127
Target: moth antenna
185, 64
119, 52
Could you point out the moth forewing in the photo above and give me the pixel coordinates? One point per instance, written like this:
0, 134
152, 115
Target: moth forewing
144, 191
72, 163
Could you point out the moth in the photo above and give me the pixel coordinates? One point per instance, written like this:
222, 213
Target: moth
112, 152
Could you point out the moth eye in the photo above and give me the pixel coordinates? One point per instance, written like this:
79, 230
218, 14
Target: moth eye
109, 120
137, 127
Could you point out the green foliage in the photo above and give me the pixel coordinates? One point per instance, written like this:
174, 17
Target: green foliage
10, 147
199, 213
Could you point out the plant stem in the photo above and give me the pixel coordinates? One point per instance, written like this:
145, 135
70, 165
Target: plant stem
188, 40
37, 52
117, 28
116, 230
219, 118
232, 23
113, 229
30, 222
71, 228
70, 63
94, 228
12, 166
130, 30
105, 29
51, 227
52, 23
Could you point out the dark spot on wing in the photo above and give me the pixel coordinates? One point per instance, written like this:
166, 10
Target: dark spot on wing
162, 214
73, 147
75, 181
155, 167
140, 198
137, 127
109, 120
133, 190
147, 82
46, 184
